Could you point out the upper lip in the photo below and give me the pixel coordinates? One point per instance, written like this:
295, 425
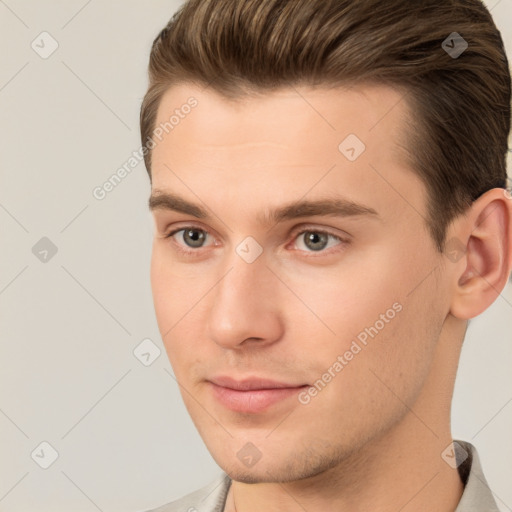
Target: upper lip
251, 383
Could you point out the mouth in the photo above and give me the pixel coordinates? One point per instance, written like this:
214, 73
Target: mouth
254, 395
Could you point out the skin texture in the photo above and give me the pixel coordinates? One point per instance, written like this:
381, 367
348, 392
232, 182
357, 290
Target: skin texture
372, 438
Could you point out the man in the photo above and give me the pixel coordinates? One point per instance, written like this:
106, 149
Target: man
328, 184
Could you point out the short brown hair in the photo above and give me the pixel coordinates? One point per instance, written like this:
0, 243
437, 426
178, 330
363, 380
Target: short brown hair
461, 104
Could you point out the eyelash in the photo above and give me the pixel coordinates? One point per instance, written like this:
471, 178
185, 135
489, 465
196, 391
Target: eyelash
195, 252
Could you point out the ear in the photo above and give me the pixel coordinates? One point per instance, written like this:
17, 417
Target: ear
481, 248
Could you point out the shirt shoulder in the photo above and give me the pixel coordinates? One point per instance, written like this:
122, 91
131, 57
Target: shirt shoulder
210, 498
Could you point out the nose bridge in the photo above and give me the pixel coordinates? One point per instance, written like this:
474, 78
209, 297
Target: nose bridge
244, 303
248, 275
244, 284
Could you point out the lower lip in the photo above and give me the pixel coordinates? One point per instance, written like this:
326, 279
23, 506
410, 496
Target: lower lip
252, 401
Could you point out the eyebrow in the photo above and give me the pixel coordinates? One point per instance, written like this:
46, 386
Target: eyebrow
338, 207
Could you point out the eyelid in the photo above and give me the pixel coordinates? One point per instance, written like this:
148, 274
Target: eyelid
188, 251
184, 227
318, 229
305, 228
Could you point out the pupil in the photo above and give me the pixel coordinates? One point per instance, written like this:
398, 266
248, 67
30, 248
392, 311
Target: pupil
195, 237
315, 238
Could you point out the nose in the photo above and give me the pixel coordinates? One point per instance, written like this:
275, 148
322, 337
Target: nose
246, 306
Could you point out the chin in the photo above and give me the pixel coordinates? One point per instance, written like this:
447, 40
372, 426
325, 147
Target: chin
274, 470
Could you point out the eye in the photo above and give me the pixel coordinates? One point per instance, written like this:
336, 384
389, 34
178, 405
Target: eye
315, 240
191, 236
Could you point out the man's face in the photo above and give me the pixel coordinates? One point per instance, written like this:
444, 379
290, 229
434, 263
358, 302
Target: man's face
346, 308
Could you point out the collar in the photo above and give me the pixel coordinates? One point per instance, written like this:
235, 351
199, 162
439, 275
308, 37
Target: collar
477, 495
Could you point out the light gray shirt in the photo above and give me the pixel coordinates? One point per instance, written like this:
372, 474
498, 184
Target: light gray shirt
477, 496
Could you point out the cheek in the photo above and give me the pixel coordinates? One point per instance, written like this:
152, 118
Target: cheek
384, 335
174, 290
159, 277
394, 364
168, 298
180, 306
374, 379
340, 303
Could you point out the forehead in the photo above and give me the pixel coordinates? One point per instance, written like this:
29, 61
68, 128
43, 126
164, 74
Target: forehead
285, 142
303, 119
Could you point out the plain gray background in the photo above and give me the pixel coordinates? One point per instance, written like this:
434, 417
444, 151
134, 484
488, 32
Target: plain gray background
69, 325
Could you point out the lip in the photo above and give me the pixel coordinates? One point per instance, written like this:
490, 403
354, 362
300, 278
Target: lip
253, 395
251, 383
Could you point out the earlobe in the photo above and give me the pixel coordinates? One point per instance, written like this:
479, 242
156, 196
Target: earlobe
487, 229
